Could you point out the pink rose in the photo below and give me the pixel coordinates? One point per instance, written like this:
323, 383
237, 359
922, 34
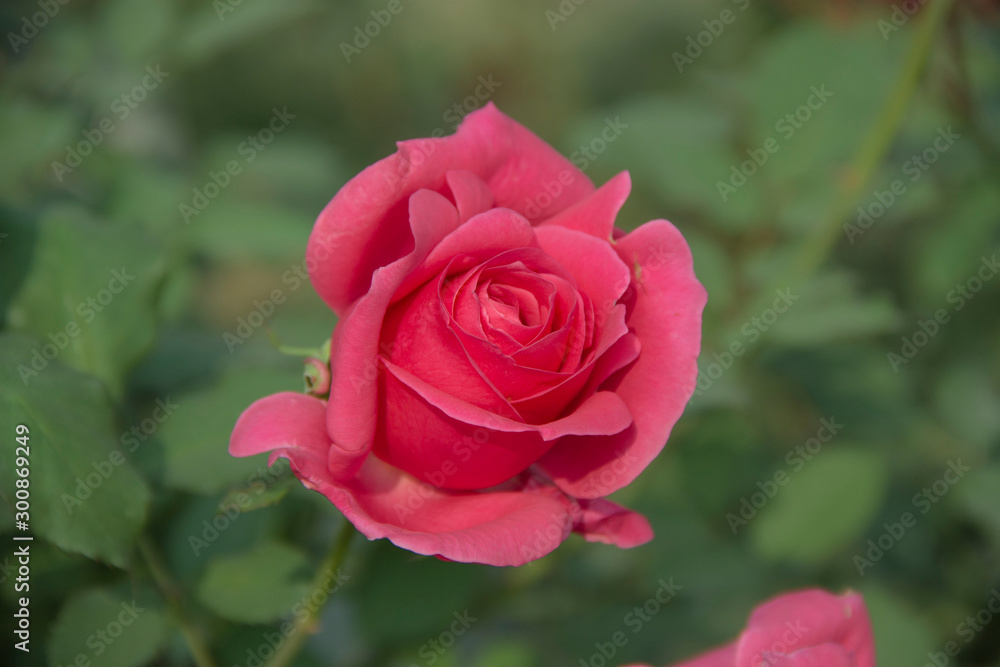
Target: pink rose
810, 628
504, 357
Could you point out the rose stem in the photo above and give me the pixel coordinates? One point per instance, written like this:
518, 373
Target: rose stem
199, 651
331, 563
872, 151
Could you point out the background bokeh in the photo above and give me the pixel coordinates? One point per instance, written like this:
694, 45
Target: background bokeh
115, 116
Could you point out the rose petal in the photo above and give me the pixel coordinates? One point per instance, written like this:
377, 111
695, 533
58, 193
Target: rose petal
426, 427
815, 617
365, 226
471, 195
494, 528
595, 215
666, 317
609, 523
354, 347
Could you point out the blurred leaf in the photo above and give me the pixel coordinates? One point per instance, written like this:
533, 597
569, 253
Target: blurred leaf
18, 235
41, 135
218, 26
693, 133
108, 629
949, 254
830, 309
137, 29
824, 507
980, 495
258, 586
505, 654
901, 636
259, 499
399, 582
231, 227
196, 438
92, 292
77, 479
966, 397
854, 68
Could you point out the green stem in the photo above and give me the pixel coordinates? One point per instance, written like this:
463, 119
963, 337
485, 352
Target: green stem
872, 152
331, 563
199, 650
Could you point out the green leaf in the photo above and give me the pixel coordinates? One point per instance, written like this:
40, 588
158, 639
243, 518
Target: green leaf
901, 636
854, 68
17, 240
234, 228
250, 498
109, 628
196, 438
980, 495
259, 586
85, 497
42, 135
397, 582
91, 293
221, 25
830, 309
695, 156
823, 508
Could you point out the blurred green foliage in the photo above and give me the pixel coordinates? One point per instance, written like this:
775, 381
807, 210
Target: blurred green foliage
146, 105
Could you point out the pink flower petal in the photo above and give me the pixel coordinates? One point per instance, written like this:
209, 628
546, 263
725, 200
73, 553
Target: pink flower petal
354, 347
666, 316
365, 226
596, 214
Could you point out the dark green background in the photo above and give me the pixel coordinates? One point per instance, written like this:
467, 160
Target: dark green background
825, 358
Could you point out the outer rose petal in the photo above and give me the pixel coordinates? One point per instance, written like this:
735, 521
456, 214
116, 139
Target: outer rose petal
365, 225
493, 527
596, 214
820, 617
809, 628
355, 341
610, 523
666, 318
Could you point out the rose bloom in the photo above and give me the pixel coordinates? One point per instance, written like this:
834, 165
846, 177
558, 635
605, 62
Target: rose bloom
505, 357
809, 628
